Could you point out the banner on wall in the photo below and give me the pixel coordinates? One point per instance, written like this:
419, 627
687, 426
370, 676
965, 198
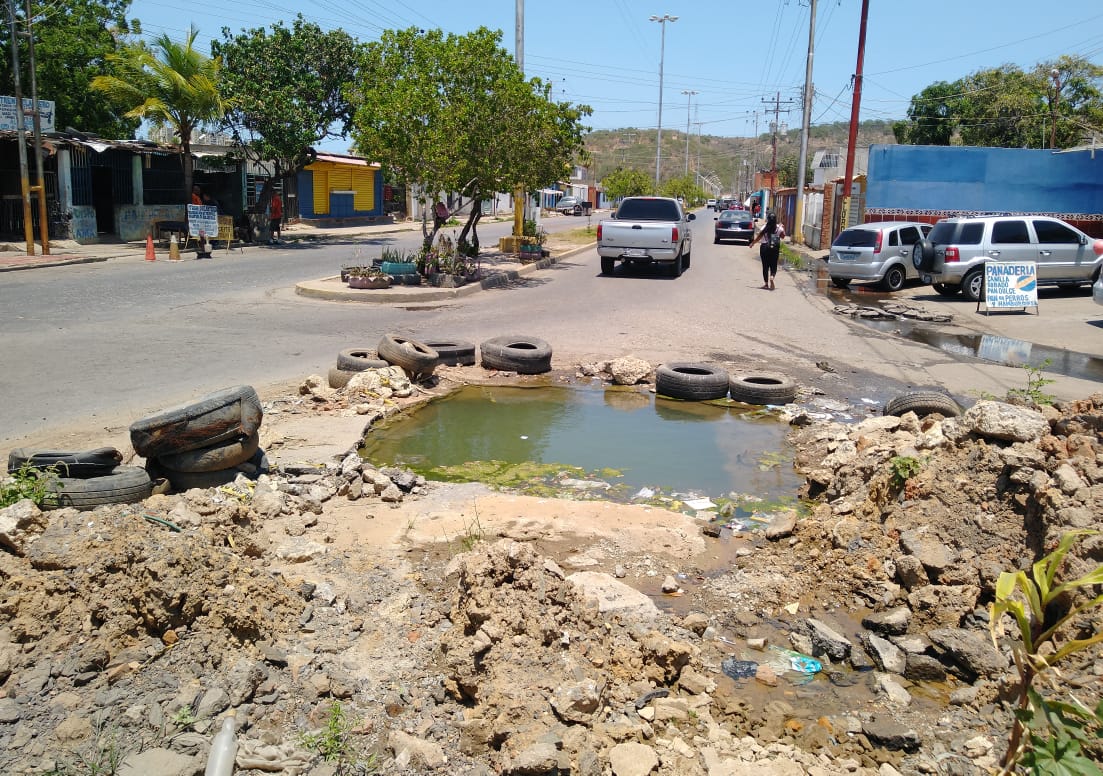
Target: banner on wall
45, 114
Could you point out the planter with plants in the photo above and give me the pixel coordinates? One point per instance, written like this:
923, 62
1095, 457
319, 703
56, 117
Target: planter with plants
360, 277
448, 265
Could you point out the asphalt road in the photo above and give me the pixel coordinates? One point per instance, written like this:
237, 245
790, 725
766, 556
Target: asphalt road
98, 345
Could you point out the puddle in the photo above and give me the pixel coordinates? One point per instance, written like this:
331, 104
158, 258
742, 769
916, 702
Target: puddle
619, 445
987, 347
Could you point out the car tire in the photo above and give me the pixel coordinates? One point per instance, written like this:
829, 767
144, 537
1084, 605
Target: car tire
763, 388
124, 485
692, 382
77, 465
685, 261
894, 278
181, 481
416, 358
972, 285
923, 255
946, 289
216, 417
339, 378
607, 265
523, 355
358, 360
840, 282
453, 352
923, 403
716, 240
676, 267
214, 458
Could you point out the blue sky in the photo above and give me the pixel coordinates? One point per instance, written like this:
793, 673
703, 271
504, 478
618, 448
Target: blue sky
735, 55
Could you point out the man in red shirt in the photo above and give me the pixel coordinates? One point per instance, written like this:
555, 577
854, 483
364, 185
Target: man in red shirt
275, 215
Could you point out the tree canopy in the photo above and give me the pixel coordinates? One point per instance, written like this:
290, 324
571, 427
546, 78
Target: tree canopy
1009, 107
169, 84
623, 182
73, 42
287, 91
454, 114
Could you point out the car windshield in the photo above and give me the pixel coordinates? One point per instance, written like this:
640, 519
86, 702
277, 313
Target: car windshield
648, 210
856, 238
943, 232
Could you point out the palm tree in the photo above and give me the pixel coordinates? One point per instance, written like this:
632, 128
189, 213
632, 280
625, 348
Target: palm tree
171, 84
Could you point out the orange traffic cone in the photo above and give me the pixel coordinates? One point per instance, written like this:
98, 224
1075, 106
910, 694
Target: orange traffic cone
150, 255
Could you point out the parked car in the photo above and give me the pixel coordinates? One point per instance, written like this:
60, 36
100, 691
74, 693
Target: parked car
1097, 290
952, 257
573, 206
734, 225
877, 252
646, 230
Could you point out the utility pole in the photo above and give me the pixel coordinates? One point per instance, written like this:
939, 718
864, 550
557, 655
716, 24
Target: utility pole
855, 109
698, 153
802, 161
662, 20
43, 223
689, 96
25, 186
773, 130
519, 199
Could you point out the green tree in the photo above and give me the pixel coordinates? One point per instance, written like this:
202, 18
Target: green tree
171, 84
622, 182
1079, 104
999, 107
71, 45
453, 114
787, 170
286, 90
683, 186
932, 116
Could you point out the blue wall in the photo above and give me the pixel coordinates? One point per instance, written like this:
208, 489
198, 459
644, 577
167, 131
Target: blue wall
947, 179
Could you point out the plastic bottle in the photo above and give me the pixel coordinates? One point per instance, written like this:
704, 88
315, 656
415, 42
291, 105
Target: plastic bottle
223, 750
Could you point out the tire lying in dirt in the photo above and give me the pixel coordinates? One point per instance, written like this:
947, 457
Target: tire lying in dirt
225, 455
416, 358
763, 388
214, 418
523, 355
78, 465
453, 352
694, 382
181, 481
339, 378
923, 403
357, 360
124, 485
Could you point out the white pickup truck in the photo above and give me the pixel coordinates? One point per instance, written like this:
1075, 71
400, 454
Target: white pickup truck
646, 230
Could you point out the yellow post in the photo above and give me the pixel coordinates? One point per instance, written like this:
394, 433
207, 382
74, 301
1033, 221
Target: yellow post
518, 211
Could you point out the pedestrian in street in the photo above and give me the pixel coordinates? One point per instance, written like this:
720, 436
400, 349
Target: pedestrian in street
275, 216
770, 235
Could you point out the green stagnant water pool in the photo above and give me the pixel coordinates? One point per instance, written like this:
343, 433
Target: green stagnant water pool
617, 444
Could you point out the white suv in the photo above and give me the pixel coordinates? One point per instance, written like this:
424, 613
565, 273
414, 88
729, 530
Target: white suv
953, 255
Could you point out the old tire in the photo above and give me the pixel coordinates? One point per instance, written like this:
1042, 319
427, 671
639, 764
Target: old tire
78, 465
894, 278
124, 485
416, 358
946, 289
523, 355
339, 378
763, 388
607, 265
215, 458
216, 417
359, 359
694, 382
923, 403
453, 352
923, 255
181, 481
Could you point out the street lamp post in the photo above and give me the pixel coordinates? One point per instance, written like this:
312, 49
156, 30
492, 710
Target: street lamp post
689, 96
1055, 74
662, 20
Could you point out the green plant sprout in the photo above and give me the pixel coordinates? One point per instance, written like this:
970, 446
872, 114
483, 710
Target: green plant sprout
1048, 736
1035, 382
27, 482
904, 467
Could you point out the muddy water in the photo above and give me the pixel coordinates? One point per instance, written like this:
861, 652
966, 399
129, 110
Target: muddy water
619, 444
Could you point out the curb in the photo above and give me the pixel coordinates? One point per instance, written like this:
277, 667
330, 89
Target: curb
55, 263
388, 296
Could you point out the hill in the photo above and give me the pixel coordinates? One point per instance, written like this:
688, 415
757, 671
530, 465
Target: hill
720, 158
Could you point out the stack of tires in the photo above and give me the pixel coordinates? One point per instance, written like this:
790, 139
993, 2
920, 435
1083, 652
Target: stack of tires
84, 480
205, 443
352, 361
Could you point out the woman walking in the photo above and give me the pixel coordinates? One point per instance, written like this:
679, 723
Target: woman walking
771, 235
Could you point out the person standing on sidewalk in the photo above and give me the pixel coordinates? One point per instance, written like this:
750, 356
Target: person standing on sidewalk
275, 216
770, 235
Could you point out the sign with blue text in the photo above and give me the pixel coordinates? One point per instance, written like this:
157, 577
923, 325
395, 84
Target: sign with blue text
1010, 284
203, 218
8, 116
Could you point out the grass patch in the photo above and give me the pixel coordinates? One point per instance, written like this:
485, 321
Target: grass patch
583, 236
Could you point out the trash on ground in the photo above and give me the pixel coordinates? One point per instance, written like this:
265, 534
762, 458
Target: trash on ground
739, 669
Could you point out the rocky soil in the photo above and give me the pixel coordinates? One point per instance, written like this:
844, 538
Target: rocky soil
358, 620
